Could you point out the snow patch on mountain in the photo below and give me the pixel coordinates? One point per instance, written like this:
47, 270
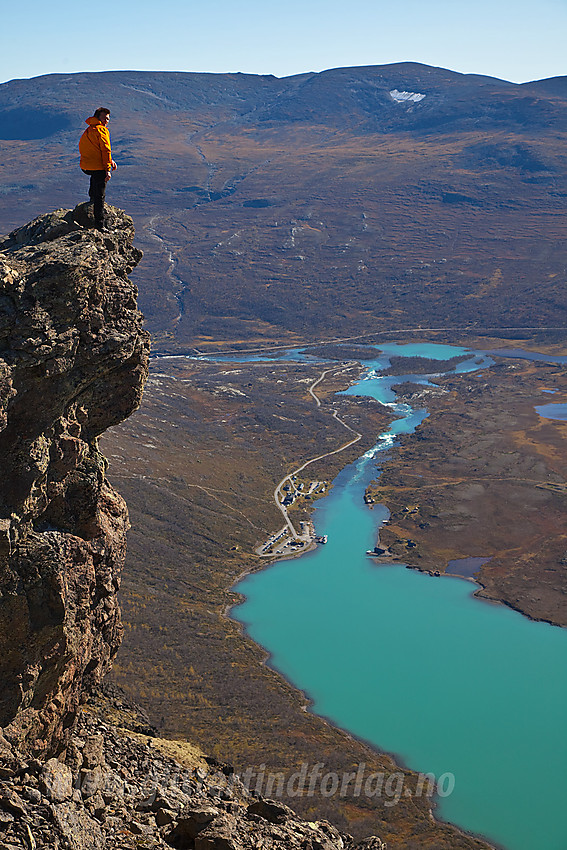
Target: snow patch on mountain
403, 96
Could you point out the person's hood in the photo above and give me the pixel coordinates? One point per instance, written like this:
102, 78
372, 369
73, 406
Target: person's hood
92, 122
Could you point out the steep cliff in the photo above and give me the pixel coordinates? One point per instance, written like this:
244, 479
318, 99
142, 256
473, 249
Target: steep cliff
73, 362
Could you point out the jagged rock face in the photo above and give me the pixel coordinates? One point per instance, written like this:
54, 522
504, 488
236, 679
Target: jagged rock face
73, 362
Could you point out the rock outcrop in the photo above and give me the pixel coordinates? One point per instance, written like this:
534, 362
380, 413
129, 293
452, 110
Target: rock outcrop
73, 361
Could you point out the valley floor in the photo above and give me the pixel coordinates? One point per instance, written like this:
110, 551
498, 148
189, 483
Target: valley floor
198, 466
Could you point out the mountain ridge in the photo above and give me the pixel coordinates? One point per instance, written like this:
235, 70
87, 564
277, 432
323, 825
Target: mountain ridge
225, 88
282, 210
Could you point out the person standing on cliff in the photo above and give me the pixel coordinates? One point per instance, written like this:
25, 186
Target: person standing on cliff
96, 160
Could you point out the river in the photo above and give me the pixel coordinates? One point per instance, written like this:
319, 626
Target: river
418, 666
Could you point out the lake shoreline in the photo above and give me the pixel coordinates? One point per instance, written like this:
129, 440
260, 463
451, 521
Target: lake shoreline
244, 744
310, 700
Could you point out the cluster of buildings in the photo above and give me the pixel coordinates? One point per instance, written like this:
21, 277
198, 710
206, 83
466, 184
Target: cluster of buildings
285, 541
293, 490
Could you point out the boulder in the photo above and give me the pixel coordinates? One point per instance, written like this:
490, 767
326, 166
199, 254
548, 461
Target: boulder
56, 781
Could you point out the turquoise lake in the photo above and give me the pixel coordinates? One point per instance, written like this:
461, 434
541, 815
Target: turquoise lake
418, 666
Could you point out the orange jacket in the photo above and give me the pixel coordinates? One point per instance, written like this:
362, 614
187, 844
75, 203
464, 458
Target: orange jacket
94, 147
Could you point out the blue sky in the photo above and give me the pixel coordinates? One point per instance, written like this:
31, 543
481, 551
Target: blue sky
511, 39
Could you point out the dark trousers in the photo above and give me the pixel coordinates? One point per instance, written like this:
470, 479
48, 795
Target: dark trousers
97, 191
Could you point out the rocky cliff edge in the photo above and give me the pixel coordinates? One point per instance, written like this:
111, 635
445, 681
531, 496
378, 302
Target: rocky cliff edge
73, 362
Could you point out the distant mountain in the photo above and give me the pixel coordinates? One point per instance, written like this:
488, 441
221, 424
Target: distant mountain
553, 85
324, 204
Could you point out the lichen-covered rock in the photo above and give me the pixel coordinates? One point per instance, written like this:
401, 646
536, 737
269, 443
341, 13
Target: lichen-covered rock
56, 781
73, 362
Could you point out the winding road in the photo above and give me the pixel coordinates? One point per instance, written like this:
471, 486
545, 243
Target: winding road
288, 477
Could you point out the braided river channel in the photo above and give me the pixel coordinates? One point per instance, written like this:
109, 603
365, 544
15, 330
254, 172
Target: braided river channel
417, 666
